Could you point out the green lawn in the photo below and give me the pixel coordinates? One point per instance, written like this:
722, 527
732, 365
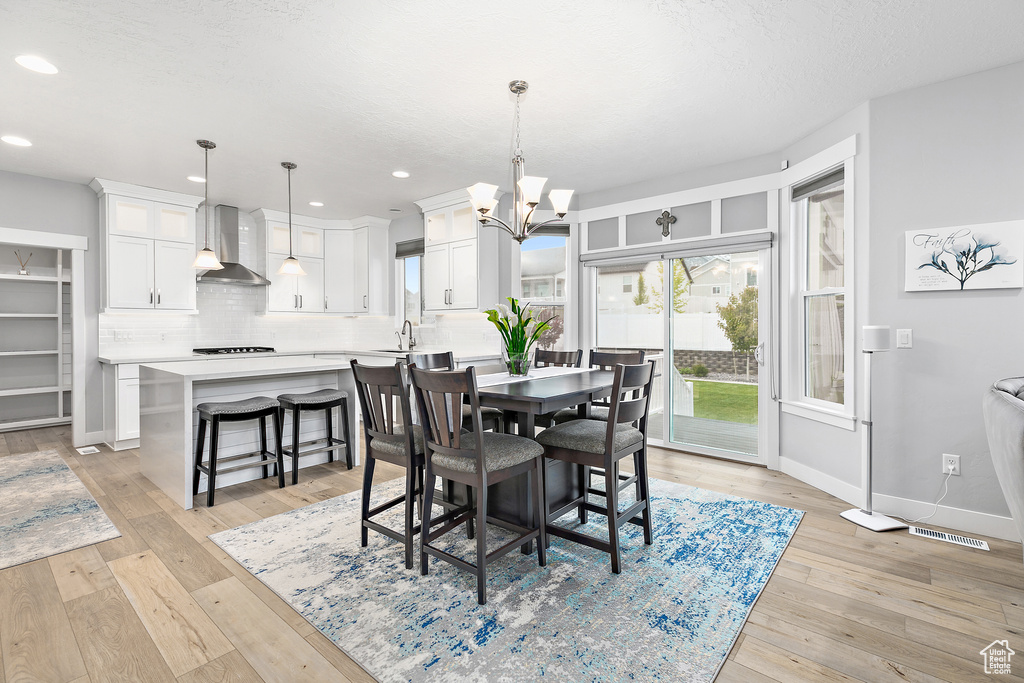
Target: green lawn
725, 401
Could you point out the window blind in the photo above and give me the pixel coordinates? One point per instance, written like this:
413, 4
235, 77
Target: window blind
409, 248
814, 185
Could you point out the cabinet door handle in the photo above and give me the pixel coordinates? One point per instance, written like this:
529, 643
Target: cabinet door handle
150, 295
364, 300
300, 301
325, 303
158, 297
295, 300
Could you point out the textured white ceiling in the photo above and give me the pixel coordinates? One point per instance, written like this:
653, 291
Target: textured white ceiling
620, 91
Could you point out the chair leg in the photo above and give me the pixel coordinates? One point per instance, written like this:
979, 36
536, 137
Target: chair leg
583, 475
279, 448
481, 545
211, 480
645, 493
539, 513
429, 482
263, 444
611, 479
295, 446
346, 433
471, 524
200, 439
410, 499
367, 482
330, 432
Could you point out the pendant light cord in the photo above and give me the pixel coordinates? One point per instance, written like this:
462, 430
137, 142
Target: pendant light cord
206, 184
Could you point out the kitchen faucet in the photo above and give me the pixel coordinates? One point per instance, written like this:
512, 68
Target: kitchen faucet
412, 339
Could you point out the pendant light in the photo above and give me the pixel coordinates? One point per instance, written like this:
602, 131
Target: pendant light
206, 259
290, 266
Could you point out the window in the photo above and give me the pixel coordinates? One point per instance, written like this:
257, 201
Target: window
627, 284
409, 280
820, 219
716, 289
543, 268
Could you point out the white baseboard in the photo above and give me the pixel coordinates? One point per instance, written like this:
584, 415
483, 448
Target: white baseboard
967, 521
819, 480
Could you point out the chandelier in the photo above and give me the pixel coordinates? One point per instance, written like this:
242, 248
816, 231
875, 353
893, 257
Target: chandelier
526, 190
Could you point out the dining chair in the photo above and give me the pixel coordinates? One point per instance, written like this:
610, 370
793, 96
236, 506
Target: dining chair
601, 360
545, 358
476, 458
595, 443
445, 360
391, 437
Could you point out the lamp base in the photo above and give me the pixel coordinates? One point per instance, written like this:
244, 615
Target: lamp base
872, 520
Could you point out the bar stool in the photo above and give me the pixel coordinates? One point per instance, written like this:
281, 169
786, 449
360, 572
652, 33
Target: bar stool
258, 408
326, 400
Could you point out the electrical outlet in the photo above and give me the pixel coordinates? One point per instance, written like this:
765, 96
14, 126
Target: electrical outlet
951, 464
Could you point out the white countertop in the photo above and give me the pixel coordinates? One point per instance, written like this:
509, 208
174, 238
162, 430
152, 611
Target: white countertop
232, 368
157, 357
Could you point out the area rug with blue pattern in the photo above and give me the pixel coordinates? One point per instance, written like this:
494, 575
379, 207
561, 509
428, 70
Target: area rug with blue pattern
45, 509
673, 613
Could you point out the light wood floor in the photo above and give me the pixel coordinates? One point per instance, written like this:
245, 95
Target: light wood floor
163, 603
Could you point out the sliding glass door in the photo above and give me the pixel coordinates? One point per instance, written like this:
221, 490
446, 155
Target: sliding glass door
717, 345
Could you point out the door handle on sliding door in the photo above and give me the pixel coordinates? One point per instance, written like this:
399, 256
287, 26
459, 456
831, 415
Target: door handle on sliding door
759, 353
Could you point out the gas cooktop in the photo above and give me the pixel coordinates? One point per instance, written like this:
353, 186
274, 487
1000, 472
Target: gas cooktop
233, 349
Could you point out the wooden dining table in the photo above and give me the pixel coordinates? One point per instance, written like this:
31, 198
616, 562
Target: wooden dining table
523, 400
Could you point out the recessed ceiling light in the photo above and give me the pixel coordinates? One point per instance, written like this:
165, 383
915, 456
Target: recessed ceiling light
395, 210
16, 141
400, 174
37, 64
316, 203
197, 179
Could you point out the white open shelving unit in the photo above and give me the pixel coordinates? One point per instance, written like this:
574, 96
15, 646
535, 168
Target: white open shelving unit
35, 338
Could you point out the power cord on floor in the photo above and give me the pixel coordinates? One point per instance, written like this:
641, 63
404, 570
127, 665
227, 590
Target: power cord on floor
945, 490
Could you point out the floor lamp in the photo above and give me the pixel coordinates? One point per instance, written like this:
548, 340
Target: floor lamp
876, 338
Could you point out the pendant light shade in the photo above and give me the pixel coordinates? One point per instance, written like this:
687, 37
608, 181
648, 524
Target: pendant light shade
206, 259
290, 266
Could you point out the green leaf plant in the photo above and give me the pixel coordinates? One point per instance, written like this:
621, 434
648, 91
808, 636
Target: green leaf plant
517, 326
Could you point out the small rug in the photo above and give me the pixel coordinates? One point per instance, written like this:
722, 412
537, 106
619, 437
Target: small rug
45, 509
673, 613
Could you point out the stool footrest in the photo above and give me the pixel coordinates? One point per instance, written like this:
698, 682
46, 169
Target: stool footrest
266, 458
327, 445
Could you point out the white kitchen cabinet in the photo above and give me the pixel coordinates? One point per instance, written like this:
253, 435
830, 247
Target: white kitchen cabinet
295, 293
121, 405
346, 271
450, 223
149, 246
130, 272
127, 409
150, 274
173, 275
347, 264
450, 279
305, 240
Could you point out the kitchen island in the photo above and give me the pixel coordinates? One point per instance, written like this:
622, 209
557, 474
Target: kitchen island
169, 393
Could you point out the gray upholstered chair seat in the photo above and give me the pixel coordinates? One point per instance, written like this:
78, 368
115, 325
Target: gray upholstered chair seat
395, 443
312, 399
501, 451
588, 436
485, 413
569, 414
247, 405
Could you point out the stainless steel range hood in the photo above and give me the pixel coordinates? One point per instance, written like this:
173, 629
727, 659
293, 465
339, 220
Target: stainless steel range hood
233, 272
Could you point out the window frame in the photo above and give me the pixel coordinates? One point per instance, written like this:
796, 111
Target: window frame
797, 400
569, 333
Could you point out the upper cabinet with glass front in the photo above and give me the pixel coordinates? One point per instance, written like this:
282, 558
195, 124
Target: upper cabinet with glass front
450, 223
451, 253
149, 243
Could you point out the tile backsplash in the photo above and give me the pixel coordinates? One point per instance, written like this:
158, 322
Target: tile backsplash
229, 316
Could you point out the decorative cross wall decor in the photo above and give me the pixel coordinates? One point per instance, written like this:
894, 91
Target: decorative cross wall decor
665, 220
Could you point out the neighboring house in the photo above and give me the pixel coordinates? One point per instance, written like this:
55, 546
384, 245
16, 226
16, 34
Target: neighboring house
543, 274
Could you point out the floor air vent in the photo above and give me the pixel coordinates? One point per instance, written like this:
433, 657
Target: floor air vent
948, 538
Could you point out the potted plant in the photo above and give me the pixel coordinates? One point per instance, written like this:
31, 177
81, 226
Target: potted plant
519, 330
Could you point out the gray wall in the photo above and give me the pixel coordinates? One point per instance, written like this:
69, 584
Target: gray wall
833, 451
33, 203
943, 155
